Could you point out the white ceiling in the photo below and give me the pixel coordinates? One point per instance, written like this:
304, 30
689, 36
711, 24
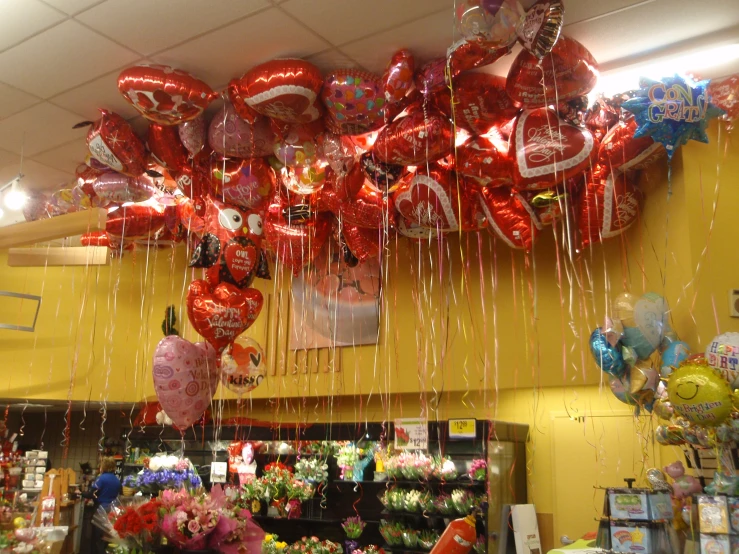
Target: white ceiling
59, 59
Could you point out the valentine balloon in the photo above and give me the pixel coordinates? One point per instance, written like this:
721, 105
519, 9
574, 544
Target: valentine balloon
119, 188
619, 148
340, 152
230, 248
548, 150
230, 135
163, 94
134, 221
283, 89
539, 30
382, 175
193, 134
164, 144
295, 245
243, 365
497, 28
303, 180
222, 313
429, 198
700, 394
185, 378
112, 142
354, 97
485, 161
35, 207
413, 230
96, 238
607, 356
245, 183
508, 217
672, 111
296, 154
570, 71
547, 205
345, 186
422, 136
722, 353
673, 356
365, 244
724, 93
397, 80
368, 209
608, 207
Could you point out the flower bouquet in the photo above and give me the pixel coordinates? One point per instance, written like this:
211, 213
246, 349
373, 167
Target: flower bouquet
133, 527
427, 539
415, 466
480, 546
393, 500
166, 472
313, 545
426, 502
371, 549
251, 495
463, 501
478, 470
392, 532
353, 527
410, 538
312, 470
236, 532
190, 519
11, 542
444, 469
392, 468
270, 545
412, 501
276, 480
444, 504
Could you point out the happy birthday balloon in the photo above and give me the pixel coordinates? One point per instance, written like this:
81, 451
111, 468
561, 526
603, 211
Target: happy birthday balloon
722, 353
243, 365
185, 378
700, 394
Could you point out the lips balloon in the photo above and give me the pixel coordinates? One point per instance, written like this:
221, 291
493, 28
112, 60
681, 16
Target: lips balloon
295, 245
414, 139
164, 95
569, 71
165, 145
286, 90
134, 222
509, 217
112, 142
185, 378
354, 97
485, 162
429, 199
119, 188
548, 150
245, 183
608, 207
620, 150
222, 313
230, 135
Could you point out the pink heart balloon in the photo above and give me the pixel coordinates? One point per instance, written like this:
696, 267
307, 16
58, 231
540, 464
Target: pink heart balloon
185, 378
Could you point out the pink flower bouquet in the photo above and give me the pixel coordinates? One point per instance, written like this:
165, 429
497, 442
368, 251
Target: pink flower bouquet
191, 518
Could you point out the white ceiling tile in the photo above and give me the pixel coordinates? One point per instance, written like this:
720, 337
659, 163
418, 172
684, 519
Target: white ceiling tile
39, 128
35, 175
72, 7
332, 59
342, 21
100, 93
61, 58
65, 157
148, 27
580, 10
13, 100
24, 18
427, 38
229, 52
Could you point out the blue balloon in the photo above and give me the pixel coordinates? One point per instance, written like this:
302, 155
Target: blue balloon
673, 355
634, 338
608, 357
672, 111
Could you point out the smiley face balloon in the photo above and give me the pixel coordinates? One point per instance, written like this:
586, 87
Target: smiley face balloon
699, 394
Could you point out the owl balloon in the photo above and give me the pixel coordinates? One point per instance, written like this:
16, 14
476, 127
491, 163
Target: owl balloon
230, 249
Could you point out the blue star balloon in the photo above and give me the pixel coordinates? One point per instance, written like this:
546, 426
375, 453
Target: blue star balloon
672, 111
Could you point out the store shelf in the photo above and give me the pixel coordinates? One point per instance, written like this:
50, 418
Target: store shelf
401, 548
297, 519
451, 484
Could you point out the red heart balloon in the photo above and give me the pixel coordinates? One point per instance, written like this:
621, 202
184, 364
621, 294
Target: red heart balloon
509, 217
134, 221
609, 205
230, 135
165, 145
414, 139
412, 230
96, 238
241, 259
548, 150
245, 183
295, 245
620, 150
221, 314
345, 186
569, 71
363, 243
285, 89
164, 95
429, 199
112, 142
367, 209
724, 93
480, 101
485, 161
354, 98
398, 77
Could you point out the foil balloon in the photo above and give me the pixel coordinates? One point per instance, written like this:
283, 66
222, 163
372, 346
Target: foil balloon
509, 217
283, 89
672, 111
193, 134
412, 230
119, 188
492, 27
480, 102
244, 183
185, 378
95, 238
35, 207
354, 97
340, 152
485, 162
345, 186
134, 221
222, 313
608, 207
230, 248
397, 80
670, 435
571, 72
548, 150
113, 143
230, 135
295, 245
650, 321
673, 356
303, 180
548, 205
607, 356
363, 243
539, 30
700, 394
621, 389
164, 144
724, 93
368, 209
382, 175
619, 149
164, 95
722, 353
663, 409
424, 135
243, 365
429, 199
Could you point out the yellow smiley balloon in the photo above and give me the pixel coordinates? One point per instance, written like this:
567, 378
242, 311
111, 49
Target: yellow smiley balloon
699, 394
19, 523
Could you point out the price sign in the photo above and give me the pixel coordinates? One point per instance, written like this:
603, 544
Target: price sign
218, 471
411, 434
462, 429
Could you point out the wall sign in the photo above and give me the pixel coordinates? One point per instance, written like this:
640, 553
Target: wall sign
411, 434
462, 428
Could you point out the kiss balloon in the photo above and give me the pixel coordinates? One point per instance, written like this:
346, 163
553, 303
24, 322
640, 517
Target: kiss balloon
243, 365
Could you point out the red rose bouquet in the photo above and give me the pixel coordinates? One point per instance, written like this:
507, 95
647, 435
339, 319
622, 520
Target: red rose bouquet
136, 526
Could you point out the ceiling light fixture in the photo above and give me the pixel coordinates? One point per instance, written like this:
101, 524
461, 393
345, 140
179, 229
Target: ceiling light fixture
15, 198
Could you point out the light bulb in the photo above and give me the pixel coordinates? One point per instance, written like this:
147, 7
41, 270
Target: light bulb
15, 199
2, 213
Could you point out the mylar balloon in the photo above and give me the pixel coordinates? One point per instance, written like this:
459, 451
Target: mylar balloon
700, 394
193, 134
548, 150
243, 365
673, 356
424, 135
496, 27
619, 148
365, 244
354, 97
485, 161
570, 72
508, 217
608, 207
119, 188
185, 378
245, 183
412, 230
382, 175
295, 245
283, 89
397, 80
724, 93
112, 142
164, 95
134, 221
722, 353
429, 198
164, 144
222, 313
651, 322
607, 356
368, 209
539, 30
230, 135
